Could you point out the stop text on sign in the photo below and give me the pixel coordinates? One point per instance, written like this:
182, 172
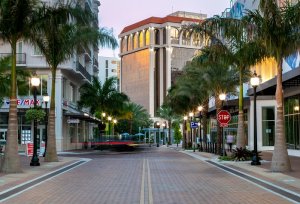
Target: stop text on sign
223, 118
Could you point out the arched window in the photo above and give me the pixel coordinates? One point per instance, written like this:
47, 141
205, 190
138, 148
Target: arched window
174, 34
196, 39
129, 42
141, 39
135, 40
124, 44
186, 38
147, 36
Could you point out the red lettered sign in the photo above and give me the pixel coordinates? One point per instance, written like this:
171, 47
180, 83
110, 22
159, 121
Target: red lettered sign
223, 118
29, 149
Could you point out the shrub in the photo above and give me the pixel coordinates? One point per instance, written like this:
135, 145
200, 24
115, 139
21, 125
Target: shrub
241, 154
226, 158
35, 114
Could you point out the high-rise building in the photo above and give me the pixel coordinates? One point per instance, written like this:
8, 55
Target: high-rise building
72, 126
153, 53
109, 67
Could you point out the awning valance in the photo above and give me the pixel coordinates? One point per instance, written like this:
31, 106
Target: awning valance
83, 116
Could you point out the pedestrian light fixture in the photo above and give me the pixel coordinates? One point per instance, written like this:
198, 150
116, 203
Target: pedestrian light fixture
46, 99
200, 108
222, 97
35, 82
254, 81
184, 132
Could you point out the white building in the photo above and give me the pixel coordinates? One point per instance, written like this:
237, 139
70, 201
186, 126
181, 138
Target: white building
70, 134
109, 67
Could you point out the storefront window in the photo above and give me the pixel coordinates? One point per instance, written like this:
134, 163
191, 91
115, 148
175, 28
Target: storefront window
42, 89
292, 122
268, 126
3, 119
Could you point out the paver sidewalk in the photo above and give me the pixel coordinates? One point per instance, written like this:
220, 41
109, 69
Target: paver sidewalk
32, 172
285, 180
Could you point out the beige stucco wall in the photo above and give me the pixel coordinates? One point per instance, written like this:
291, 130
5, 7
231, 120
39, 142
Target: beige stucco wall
135, 77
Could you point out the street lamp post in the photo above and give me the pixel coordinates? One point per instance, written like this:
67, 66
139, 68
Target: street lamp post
157, 139
184, 138
114, 123
254, 81
222, 97
35, 82
193, 142
109, 118
200, 108
164, 126
46, 100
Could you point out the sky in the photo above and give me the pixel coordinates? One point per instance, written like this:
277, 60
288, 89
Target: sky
117, 14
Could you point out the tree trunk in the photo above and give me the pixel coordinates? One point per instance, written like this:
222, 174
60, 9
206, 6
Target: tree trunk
241, 140
204, 120
219, 129
280, 158
51, 154
12, 163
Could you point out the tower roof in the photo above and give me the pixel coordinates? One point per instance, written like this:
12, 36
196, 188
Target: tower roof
158, 20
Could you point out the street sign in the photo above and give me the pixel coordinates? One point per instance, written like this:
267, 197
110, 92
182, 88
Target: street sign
223, 118
194, 124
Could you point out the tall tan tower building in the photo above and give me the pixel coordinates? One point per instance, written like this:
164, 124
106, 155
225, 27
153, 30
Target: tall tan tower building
153, 52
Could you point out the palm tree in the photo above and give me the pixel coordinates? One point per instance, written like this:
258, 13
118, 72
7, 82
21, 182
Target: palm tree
102, 98
236, 49
5, 79
15, 24
277, 27
215, 76
60, 30
136, 115
166, 112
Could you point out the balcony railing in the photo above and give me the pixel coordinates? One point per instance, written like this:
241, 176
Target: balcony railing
96, 62
21, 57
95, 65
83, 71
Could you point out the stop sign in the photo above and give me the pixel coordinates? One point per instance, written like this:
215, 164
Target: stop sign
223, 118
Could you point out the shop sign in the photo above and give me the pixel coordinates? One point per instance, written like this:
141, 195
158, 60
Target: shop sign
73, 121
23, 102
29, 149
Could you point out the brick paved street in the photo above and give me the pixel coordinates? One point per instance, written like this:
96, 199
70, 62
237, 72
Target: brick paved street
156, 175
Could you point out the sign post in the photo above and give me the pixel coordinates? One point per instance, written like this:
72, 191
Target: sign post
223, 118
194, 125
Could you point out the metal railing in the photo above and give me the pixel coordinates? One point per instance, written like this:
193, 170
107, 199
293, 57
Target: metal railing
83, 71
21, 57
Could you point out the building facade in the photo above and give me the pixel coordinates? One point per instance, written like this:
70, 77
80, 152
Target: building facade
73, 126
266, 103
109, 67
153, 53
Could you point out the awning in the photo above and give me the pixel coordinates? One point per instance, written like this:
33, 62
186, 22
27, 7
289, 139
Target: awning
289, 79
83, 116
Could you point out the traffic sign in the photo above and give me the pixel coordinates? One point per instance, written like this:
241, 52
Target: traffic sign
194, 124
223, 118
